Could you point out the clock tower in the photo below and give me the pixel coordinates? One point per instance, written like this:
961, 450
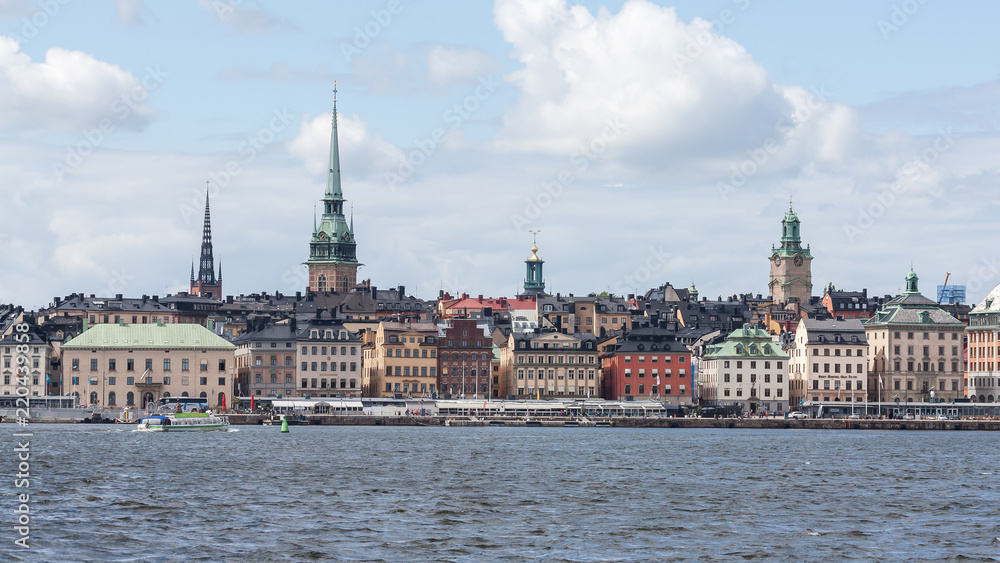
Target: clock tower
333, 262
791, 264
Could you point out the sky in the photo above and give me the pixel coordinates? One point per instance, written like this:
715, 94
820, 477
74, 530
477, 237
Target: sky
647, 141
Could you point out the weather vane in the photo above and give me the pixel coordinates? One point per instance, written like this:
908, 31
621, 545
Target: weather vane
534, 234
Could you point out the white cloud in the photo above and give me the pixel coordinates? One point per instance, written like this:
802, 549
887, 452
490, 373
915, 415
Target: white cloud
447, 65
10, 9
134, 13
69, 92
361, 152
251, 20
681, 91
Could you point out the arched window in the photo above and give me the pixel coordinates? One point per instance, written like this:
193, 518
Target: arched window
130, 399
222, 399
147, 398
321, 283
184, 394
203, 395
93, 397
167, 394
111, 399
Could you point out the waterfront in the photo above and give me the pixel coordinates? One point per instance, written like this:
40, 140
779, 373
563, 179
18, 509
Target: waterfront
103, 492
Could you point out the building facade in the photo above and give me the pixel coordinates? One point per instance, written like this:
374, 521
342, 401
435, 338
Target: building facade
791, 264
915, 349
333, 261
400, 359
827, 361
982, 369
117, 365
749, 369
329, 359
265, 361
648, 363
30, 373
550, 365
465, 356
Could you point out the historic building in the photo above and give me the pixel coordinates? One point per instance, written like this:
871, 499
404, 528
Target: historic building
550, 365
982, 372
400, 359
748, 369
333, 262
265, 361
206, 284
329, 357
915, 349
847, 304
648, 363
791, 265
827, 361
35, 376
118, 365
465, 357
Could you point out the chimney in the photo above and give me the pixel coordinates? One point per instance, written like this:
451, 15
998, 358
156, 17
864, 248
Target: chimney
298, 296
229, 299
156, 298
402, 291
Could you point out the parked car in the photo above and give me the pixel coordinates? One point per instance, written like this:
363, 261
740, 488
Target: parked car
798, 415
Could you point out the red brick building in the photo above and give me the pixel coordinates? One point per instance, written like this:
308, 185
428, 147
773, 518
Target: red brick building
648, 363
465, 354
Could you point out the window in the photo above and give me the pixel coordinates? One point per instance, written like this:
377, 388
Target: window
185, 365
129, 381
222, 365
93, 364
76, 364
166, 364
222, 381
111, 381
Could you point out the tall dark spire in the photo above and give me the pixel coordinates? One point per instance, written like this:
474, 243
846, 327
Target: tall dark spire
206, 272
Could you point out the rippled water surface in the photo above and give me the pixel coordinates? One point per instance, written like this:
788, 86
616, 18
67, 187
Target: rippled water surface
104, 493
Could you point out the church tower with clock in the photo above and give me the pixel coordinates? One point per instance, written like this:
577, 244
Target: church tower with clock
791, 264
333, 261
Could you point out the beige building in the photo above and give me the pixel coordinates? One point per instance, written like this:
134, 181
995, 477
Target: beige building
915, 348
36, 353
400, 359
551, 365
117, 365
827, 362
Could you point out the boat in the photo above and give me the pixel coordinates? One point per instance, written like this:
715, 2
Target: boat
183, 421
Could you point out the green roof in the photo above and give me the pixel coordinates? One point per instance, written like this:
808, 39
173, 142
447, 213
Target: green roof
137, 336
749, 342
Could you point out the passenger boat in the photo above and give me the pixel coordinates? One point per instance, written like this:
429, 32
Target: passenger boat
183, 421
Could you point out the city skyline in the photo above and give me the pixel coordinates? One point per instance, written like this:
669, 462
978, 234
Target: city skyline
648, 143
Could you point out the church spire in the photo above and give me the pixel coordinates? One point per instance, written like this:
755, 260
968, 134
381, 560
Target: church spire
206, 281
333, 179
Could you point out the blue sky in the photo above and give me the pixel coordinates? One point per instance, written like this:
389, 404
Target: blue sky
617, 128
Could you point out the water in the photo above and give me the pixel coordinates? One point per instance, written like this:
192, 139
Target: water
105, 493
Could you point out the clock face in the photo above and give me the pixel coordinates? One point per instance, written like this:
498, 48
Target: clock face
322, 236
777, 260
798, 260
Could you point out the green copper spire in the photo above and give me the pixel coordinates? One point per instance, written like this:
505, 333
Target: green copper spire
911, 283
333, 179
332, 239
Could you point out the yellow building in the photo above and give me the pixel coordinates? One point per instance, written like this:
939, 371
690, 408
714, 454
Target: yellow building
400, 359
117, 365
